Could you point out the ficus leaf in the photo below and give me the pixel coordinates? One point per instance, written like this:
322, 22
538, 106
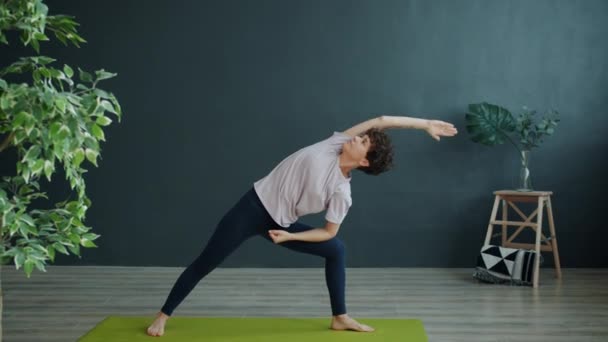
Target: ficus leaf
68, 71
98, 132
91, 156
103, 120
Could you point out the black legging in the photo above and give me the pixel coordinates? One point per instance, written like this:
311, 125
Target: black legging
245, 220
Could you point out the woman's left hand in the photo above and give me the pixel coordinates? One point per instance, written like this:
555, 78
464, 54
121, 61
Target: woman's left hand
437, 129
279, 235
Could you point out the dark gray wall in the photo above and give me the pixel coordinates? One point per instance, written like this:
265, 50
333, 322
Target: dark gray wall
215, 93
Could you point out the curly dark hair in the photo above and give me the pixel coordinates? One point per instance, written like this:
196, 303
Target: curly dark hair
380, 154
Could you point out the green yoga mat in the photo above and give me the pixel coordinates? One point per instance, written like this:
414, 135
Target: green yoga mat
183, 329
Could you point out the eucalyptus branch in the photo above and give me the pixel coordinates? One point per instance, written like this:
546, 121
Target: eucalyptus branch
514, 144
490, 124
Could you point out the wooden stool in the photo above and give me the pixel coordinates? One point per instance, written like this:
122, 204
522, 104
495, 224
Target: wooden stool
549, 244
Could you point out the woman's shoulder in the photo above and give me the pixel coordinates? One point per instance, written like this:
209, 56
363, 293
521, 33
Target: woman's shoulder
343, 189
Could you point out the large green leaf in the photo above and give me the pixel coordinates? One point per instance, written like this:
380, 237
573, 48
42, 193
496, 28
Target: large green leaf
489, 124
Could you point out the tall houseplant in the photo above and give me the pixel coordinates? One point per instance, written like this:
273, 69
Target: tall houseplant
52, 120
490, 125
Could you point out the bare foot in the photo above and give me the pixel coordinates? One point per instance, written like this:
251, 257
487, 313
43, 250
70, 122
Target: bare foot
157, 328
344, 322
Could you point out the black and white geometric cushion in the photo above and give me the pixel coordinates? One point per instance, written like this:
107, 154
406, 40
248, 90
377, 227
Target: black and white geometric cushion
497, 264
499, 259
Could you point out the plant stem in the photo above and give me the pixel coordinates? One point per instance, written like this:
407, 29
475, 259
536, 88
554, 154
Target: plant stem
7, 141
514, 144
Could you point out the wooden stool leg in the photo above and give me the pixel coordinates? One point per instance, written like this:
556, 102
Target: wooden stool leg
539, 228
505, 209
492, 218
558, 270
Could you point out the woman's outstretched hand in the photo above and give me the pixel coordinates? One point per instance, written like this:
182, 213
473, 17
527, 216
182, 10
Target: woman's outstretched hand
279, 236
437, 129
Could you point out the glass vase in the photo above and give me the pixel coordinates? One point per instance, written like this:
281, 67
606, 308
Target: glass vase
525, 182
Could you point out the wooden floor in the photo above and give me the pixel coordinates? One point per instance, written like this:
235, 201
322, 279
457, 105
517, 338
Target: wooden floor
64, 303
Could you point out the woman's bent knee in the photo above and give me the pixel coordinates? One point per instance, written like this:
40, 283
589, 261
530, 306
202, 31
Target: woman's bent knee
339, 249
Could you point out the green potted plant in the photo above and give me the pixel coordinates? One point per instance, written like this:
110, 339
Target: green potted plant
490, 125
49, 119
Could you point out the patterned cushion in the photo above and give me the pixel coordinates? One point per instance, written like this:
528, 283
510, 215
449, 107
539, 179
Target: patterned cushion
500, 265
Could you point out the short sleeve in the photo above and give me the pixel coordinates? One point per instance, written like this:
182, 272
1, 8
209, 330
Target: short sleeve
337, 209
335, 141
